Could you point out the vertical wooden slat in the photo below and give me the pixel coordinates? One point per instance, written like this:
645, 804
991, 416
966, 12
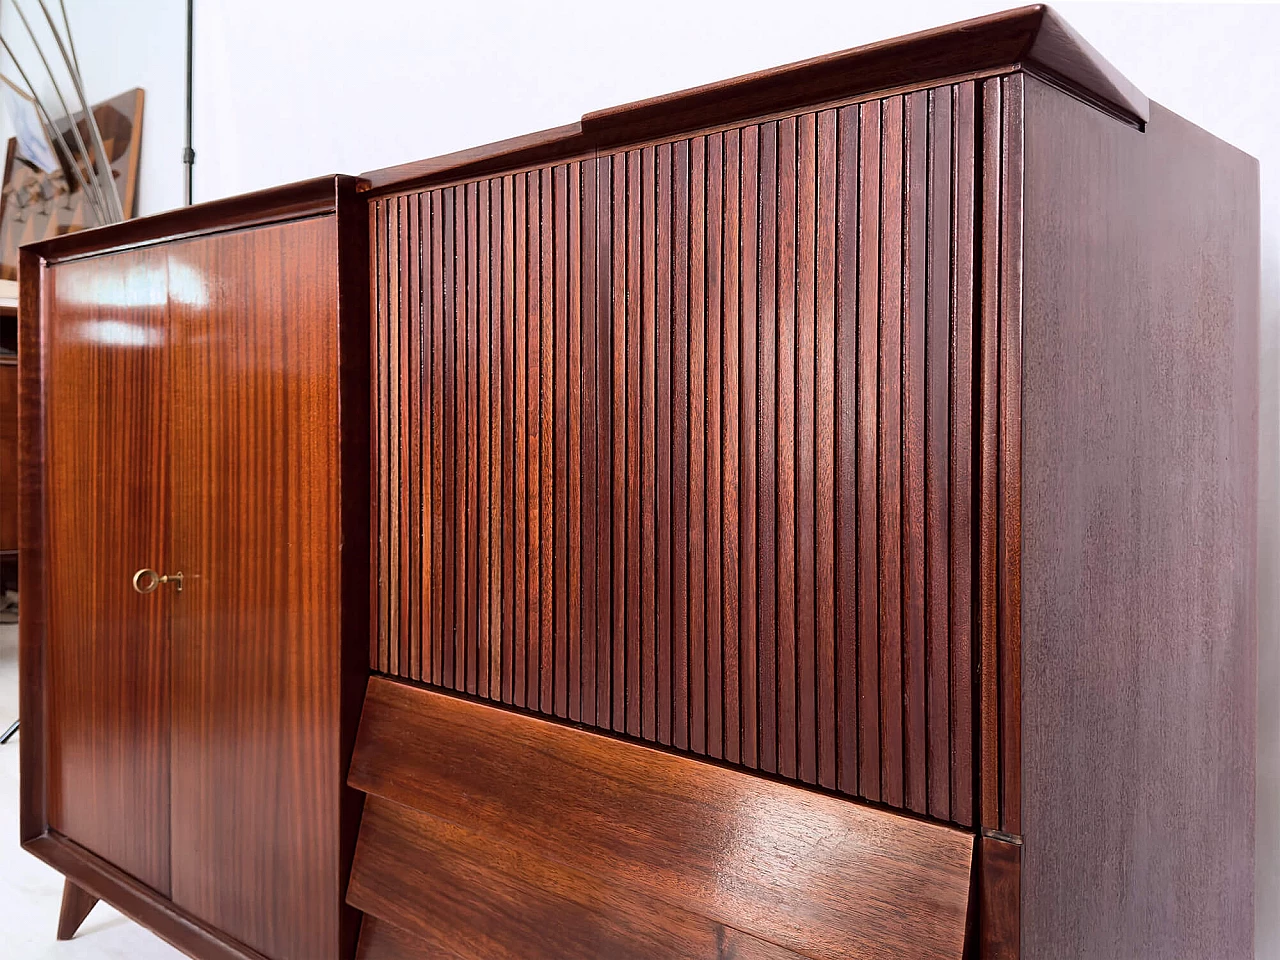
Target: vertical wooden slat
937, 333
914, 733
696, 738
482, 376
520, 440
471, 396
680, 501
413, 393
547, 452
663, 493
988, 460
712, 402
504, 528
767, 450
574, 634
611, 392
805, 477
450, 429
785, 514
438, 447
611, 464
559, 506
868, 364
426, 331
402, 308
1009, 560
378, 626
963, 230
494, 425
589, 432
394, 494
626, 432
848, 446
533, 414
825, 426
731, 352
748, 366
641, 600
890, 424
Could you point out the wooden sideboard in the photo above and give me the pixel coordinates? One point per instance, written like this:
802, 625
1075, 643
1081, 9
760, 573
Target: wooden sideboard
810, 515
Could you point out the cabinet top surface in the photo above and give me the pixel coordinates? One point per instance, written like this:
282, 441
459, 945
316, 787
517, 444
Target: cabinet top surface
1033, 38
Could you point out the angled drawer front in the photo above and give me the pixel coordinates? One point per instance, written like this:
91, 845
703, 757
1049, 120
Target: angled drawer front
679, 442
487, 834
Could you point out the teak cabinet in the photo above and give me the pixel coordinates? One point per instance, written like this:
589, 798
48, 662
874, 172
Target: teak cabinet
184, 716
810, 515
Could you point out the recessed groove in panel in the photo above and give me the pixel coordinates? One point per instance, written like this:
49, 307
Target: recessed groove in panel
677, 442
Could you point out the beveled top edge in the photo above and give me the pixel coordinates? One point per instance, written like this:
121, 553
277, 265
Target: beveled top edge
1032, 37
302, 198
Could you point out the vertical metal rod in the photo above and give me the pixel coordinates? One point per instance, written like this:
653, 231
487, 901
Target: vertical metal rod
188, 153
95, 135
75, 127
56, 133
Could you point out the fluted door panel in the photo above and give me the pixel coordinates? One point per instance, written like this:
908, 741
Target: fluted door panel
677, 442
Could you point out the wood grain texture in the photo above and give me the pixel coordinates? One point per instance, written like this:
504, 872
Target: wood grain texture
1139, 504
999, 906
76, 904
263, 723
710, 862
8, 456
103, 324
734, 330
257, 631
381, 940
136, 900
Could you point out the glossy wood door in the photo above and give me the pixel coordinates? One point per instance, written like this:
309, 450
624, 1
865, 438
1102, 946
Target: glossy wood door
256, 776
107, 679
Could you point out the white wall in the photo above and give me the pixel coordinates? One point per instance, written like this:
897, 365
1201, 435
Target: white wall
287, 89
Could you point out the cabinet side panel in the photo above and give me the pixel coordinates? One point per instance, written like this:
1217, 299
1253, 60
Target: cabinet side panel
1139, 629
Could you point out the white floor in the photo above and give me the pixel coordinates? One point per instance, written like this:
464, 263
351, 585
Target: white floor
30, 892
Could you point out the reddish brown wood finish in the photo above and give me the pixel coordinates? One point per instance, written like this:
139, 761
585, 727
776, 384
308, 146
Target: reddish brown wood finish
999, 870
570, 844
8, 456
998, 458
380, 940
766, 595
76, 904
269, 678
137, 901
106, 420
1139, 520
256, 633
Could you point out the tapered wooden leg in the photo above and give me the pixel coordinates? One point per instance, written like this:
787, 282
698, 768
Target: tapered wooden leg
76, 905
